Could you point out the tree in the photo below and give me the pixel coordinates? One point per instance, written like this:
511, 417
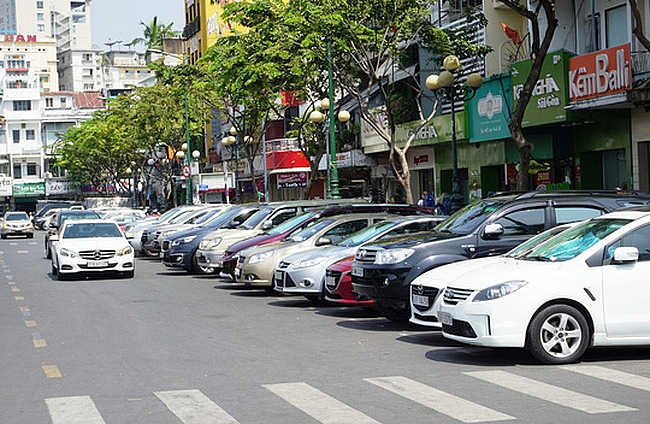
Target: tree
637, 30
154, 33
538, 50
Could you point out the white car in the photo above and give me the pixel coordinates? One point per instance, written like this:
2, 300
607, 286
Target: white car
91, 246
587, 286
427, 288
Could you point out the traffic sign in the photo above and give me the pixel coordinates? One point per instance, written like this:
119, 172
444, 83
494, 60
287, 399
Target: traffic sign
187, 171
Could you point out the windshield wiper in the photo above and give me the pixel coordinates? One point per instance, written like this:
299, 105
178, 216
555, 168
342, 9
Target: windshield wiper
539, 258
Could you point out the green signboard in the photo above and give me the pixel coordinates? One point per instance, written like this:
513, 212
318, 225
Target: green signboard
490, 109
550, 95
435, 131
29, 189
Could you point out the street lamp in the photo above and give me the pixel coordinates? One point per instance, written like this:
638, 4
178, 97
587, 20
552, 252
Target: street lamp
229, 141
445, 83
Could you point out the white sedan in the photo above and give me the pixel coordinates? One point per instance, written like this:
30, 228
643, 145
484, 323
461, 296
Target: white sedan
587, 286
90, 247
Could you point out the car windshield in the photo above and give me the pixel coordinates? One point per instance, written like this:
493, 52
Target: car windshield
169, 215
289, 224
526, 246
68, 217
366, 234
308, 232
471, 216
89, 230
182, 217
16, 216
202, 219
570, 243
256, 219
224, 216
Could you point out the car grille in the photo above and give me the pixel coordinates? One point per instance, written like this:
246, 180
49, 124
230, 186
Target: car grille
166, 244
459, 328
332, 279
426, 318
453, 296
145, 237
155, 235
96, 255
282, 279
84, 266
430, 292
241, 259
366, 256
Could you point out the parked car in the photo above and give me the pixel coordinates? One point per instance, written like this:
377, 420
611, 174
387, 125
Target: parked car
91, 246
179, 249
44, 206
488, 227
43, 222
228, 262
257, 265
587, 286
61, 217
16, 224
149, 238
303, 273
134, 231
427, 288
338, 285
213, 246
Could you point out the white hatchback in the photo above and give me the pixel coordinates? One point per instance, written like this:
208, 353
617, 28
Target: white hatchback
89, 247
587, 286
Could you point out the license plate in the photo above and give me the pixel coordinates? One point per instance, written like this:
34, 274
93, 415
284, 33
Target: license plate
278, 277
161, 254
420, 300
97, 264
330, 281
445, 318
237, 272
357, 271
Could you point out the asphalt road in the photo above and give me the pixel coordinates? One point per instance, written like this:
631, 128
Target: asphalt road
167, 347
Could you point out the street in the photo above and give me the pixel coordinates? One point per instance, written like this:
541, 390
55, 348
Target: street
169, 347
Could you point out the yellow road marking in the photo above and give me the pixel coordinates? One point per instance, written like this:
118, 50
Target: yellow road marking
39, 343
24, 309
51, 371
19, 298
30, 323
15, 289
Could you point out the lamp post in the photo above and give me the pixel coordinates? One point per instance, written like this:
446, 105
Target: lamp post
445, 82
129, 173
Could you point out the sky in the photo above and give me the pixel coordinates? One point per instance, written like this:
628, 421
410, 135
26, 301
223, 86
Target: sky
119, 20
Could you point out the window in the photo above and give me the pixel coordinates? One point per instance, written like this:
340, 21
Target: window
345, 229
78, 6
22, 105
616, 25
18, 171
40, 27
39, 4
283, 216
15, 135
40, 17
88, 87
30, 135
522, 222
639, 238
31, 169
63, 102
564, 215
49, 102
78, 19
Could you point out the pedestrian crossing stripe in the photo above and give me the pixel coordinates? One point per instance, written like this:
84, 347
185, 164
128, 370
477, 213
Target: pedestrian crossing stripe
193, 407
549, 393
613, 376
73, 410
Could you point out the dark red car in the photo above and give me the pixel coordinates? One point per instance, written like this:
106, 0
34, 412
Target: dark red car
338, 285
285, 229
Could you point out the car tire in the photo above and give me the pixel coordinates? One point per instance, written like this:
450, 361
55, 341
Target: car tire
4, 236
397, 315
198, 269
547, 333
53, 269
48, 252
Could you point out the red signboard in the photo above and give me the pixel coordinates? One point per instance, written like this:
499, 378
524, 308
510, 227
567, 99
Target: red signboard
292, 180
600, 73
10, 38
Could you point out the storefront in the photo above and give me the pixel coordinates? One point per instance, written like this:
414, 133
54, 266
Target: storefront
25, 195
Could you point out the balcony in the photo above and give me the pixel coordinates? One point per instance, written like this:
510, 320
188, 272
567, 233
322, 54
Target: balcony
192, 28
640, 93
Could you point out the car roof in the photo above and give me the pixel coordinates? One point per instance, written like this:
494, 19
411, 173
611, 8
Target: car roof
629, 213
88, 221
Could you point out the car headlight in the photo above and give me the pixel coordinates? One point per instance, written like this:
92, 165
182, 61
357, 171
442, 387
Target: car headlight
125, 251
183, 240
499, 290
210, 244
308, 263
260, 257
68, 253
392, 256
166, 233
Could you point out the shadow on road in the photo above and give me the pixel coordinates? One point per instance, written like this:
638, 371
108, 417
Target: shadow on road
429, 338
379, 324
484, 357
348, 312
616, 354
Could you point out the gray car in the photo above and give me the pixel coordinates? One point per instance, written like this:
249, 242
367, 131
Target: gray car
303, 273
16, 224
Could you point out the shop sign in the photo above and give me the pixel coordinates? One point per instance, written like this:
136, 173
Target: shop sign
489, 110
600, 73
344, 160
10, 38
29, 189
6, 188
58, 186
550, 95
292, 180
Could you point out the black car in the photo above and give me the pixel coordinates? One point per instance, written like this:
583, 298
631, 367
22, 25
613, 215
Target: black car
491, 226
61, 217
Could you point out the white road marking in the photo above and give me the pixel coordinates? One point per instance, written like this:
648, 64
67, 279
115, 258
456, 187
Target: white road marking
444, 403
32, 243
73, 410
614, 376
319, 405
549, 393
13, 244
22, 251
193, 407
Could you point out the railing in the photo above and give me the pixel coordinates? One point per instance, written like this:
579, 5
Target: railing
192, 28
640, 67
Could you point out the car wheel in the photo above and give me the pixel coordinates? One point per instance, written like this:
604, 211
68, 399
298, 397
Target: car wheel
48, 253
397, 315
197, 268
558, 334
4, 236
54, 270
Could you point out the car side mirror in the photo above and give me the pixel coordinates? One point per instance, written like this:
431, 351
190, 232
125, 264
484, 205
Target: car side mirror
129, 236
493, 231
268, 224
54, 237
323, 241
626, 255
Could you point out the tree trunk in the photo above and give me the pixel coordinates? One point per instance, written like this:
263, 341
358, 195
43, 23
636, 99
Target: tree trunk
524, 157
404, 174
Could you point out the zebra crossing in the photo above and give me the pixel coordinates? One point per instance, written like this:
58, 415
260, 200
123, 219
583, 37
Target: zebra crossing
194, 407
